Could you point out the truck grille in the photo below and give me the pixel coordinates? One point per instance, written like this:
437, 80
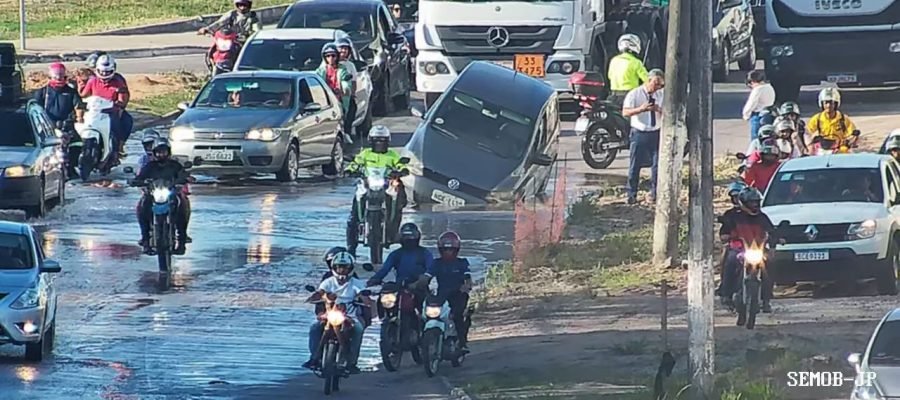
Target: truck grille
826, 233
469, 40
787, 18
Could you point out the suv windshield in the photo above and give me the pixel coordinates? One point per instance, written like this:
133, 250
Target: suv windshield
287, 55
832, 185
484, 125
265, 93
886, 348
16, 130
357, 24
15, 252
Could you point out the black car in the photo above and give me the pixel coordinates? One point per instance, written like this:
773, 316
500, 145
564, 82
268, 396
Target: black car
31, 162
12, 80
490, 138
377, 37
733, 40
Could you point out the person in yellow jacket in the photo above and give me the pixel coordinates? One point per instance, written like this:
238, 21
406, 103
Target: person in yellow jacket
626, 70
379, 155
831, 125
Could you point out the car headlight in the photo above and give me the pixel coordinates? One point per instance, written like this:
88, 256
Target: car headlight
866, 393
17, 171
432, 312
375, 181
335, 318
753, 256
389, 300
862, 230
31, 298
180, 133
265, 134
161, 195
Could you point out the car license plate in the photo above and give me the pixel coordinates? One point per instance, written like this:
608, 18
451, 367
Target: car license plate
811, 256
842, 78
503, 63
217, 155
530, 64
448, 199
581, 125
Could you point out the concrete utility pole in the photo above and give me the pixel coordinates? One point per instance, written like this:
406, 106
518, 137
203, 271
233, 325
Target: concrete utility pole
22, 24
700, 271
665, 225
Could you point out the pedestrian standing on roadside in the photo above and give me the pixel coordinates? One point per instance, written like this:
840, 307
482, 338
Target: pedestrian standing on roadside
644, 106
762, 96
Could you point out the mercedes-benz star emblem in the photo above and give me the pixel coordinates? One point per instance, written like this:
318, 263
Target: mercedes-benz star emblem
453, 184
811, 232
497, 36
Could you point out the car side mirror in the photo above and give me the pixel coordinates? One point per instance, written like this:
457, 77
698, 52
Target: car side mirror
740, 156
310, 288
51, 267
542, 160
396, 39
183, 106
417, 112
52, 142
312, 108
404, 160
368, 267
128, 170
854, 359
187, 165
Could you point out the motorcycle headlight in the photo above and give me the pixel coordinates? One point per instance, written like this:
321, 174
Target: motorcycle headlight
265, 135
335, 318
862, 230
161, 195
17, 171
432, 312
375, 181
180, 133
389, 300
31, 298
753, 256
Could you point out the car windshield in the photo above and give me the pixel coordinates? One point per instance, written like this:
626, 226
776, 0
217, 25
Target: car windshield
484, 125
240, 92
886, 348
831, 185
15, 251
16, 130
357, 24
288, 55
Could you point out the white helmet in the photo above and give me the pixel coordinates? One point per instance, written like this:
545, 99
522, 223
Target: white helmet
106, 66
342, 264
380, 132
630, 42
829, 94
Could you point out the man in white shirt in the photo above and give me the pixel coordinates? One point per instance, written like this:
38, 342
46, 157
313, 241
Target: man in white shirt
644, 106
762, 96
346, 288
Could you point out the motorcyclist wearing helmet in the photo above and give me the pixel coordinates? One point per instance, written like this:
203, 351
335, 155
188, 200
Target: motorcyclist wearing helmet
626, 70
108, 84
892, 146
336, 75
64, 107
148, 140
242, 20
454, 281
791, 111
785, 130
765, 135
345, 55
759, 174
347, 289
726, 219
753, 228
164, 167
831, 124
378, 155
409, 262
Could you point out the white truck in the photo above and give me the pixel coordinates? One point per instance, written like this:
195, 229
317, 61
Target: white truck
548, 39
846, 42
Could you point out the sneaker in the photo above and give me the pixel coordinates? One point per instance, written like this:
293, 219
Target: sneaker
742, 320
180, 249
631, 200
766, 308
311, 364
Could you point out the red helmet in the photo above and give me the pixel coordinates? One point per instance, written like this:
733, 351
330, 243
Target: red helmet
58, 71
449, 241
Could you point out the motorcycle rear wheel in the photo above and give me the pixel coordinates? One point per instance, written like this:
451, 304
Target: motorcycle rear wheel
594, 160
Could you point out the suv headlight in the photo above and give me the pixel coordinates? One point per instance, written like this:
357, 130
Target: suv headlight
17, 171
265, 134
31, 298
862, 230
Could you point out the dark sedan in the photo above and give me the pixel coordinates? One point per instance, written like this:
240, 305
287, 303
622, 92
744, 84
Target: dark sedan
377, 36
31, 162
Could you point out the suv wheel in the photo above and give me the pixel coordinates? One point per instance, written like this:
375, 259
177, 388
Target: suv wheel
887, 276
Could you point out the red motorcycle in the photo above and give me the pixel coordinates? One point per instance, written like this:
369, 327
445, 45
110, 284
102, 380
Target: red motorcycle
222, 55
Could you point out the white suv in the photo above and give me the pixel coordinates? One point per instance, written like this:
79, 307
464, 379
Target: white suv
843, 212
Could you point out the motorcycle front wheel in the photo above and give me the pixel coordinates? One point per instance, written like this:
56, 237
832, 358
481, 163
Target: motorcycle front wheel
431, 351
163, 237
391, 351
375, 236
752, 288
597, 160
330, 369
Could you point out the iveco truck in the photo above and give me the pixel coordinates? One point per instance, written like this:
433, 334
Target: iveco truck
547, 39
846, 42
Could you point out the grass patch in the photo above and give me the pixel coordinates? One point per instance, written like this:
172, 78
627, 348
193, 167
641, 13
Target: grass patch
76, 17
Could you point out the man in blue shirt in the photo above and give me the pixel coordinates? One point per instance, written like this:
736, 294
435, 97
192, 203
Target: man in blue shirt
410, 262
454, 282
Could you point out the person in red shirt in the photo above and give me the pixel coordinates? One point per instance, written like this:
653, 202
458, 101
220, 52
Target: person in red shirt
106, 83
760, 173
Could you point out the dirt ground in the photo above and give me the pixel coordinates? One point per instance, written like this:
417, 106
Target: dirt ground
141, 86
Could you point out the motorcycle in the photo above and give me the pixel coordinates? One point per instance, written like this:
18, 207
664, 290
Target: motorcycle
335, 341
223, 54
96, 137
753, 259
164, 195
400, 326
71, 145
373, 217
602, 127
440, 341
827, 146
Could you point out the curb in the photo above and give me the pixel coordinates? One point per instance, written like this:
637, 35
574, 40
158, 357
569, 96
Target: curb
122, 54
164, 119
267, 15
456, 393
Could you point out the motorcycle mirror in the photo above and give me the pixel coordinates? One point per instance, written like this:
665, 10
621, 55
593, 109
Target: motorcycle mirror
368, 267
188, 165
128, 170
310, 288
404, 160
856, 133
365, 293
740, 156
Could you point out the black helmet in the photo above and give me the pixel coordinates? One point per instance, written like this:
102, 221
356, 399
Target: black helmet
789, 107
750, 199
162, 143
329, 255
410, 235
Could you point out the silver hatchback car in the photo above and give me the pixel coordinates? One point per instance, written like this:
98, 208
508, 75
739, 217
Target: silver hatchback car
878, 369
27, 296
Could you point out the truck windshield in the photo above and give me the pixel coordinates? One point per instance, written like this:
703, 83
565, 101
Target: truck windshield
832, 185
484, 125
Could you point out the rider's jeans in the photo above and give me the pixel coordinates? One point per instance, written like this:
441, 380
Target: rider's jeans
121, 126
315, 337
459, 302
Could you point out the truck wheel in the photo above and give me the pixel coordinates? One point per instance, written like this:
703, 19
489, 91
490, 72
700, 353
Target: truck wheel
887, 276
720, 73
785, 90
748, 62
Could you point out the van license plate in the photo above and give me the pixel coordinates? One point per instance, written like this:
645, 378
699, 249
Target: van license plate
842, 78
447, 199
582, 124
811, 256
217, 155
